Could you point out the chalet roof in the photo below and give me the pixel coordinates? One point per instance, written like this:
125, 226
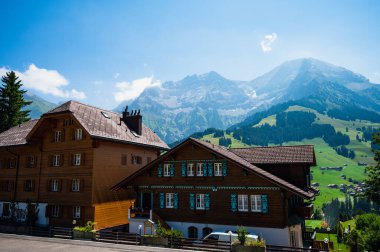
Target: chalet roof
16, 135
301, 154
94, 120
224, 152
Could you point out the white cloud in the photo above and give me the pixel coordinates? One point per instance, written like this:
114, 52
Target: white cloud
130, 90
266, 43
46, 81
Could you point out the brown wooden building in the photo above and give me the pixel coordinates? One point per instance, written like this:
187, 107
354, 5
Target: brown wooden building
67, 161
198, 187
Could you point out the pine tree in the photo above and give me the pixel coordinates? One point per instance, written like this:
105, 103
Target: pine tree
373, 180
12, 102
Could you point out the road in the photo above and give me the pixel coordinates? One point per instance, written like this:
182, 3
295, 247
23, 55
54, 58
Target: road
9, 242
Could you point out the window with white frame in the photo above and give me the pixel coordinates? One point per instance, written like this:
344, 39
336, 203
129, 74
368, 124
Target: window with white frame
54, 185
243, 203
166, 170
55, 211
200, 202
56, 160
57, 136
217, 169
256, 203
77, 159
31, 161
75, 185
76, 212
199, 169
190, 169
78, 135
169, 200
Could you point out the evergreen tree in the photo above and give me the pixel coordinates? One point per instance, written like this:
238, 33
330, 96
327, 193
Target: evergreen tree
12, 102
373, 180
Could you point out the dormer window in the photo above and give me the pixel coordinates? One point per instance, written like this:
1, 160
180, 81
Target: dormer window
57, 136
105, 115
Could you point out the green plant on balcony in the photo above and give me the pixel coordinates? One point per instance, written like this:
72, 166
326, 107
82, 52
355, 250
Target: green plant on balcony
242, 235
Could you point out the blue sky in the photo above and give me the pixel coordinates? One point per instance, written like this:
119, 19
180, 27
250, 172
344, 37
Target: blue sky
101, 52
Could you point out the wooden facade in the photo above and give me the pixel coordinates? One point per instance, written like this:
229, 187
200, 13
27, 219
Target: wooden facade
223, 190
69, 173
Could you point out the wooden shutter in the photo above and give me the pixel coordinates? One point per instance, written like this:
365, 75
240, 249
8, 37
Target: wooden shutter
49, 185
82, 158
162, 200
25, 182
224, 169
72, 159
204, 167
207, 201
81, 185
82, 212
59, 185
61, 209
33, 184
35, 161
123, 159
210, 169
48, 211
183, 169
233, 203
52, 136
192, 201
61, 159
175, 200
72, 134
160, 170
171, 170
63, 135
264, 204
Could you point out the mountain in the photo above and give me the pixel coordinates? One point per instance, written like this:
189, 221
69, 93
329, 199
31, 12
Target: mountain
38, 106
177, 109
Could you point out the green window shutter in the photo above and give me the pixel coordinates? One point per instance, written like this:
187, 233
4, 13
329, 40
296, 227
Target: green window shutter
162, 200
171, 170
207, 201
160, 170
224, 169
210, 169
176, 200
264, 204
204, 169
183, 169
192, 201
233, 203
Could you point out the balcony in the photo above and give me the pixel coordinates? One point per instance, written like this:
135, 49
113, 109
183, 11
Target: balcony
305, 211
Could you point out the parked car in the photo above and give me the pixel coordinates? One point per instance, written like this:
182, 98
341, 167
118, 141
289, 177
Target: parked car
227, 237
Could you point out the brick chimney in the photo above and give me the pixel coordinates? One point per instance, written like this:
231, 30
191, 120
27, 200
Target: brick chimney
133, 120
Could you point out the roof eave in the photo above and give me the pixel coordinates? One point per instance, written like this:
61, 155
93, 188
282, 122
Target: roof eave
129, 142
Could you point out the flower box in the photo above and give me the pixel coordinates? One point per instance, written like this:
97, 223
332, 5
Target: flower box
83, 235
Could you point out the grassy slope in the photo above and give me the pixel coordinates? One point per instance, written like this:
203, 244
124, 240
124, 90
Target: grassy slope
325, 155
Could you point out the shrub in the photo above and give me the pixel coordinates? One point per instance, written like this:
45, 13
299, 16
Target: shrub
163, 232
257, 243
242, 235
88, 228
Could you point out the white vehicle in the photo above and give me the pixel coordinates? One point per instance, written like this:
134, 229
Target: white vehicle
227, 237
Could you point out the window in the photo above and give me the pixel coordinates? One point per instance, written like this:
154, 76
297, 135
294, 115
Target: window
206, 231
68, 122
192, 232
166, 170
6, 211
6, 185
54, 185
55, 211
243, 203
123, 159
200, 202
76, 212
56, 160
11, 163
75, 185
57, 136
77, 159
105, 115
136, 160
28, 186
190, 169
169, 200
256, 203
218, 169
31, 161
199, 169
78, 134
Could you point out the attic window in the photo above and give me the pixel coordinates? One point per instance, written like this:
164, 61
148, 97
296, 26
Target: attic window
105, 115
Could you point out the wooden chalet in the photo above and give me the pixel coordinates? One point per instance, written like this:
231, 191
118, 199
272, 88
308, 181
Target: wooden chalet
68, 159
198, 187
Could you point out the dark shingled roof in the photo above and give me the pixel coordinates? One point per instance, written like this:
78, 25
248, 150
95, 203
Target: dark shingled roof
98, 126
302, 154
224, 152
16, 135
